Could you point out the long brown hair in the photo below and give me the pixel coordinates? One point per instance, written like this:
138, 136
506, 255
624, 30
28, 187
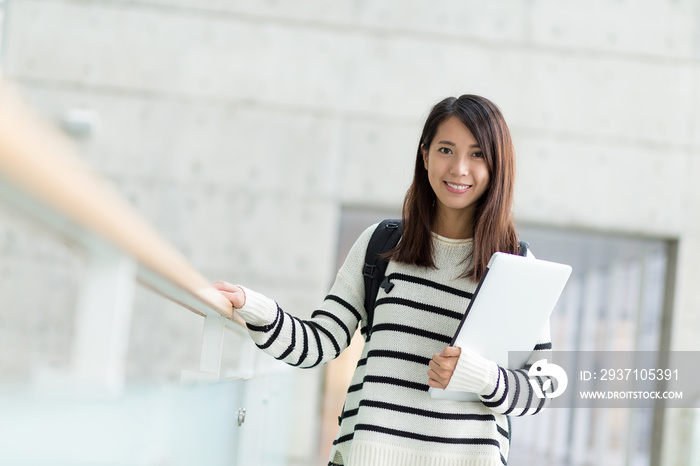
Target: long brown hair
493, 219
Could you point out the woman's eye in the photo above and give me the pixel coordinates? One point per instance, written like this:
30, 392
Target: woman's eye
478, 154
444, 150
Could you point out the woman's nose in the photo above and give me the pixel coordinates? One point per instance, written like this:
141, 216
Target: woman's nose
460, 166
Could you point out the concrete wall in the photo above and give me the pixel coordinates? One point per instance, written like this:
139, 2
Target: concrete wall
240, 128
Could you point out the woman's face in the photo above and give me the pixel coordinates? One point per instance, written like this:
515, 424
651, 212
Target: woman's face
457, 170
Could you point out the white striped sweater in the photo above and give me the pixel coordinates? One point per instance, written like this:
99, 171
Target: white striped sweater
389, 418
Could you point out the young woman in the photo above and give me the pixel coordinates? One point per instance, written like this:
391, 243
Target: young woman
456, 214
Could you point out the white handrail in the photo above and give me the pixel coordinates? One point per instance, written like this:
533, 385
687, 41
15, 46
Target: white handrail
41, 173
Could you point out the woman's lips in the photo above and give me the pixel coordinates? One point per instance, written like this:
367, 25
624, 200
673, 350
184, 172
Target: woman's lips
457, 188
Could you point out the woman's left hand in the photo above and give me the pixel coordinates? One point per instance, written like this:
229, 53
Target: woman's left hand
233, 293
442, 366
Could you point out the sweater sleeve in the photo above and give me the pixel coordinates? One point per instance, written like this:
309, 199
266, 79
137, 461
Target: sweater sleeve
505, 391
309, 343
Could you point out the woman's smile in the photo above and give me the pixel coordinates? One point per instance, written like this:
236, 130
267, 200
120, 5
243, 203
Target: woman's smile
457, 188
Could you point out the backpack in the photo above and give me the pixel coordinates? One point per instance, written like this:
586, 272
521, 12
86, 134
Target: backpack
384, 238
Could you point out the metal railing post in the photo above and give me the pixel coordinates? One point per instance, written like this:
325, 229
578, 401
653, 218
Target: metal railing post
212, 346
103, 319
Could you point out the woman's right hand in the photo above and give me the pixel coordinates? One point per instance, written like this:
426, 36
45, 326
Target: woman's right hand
233, 293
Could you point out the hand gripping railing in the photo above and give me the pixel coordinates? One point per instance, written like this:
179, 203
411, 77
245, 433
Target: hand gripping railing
42, 175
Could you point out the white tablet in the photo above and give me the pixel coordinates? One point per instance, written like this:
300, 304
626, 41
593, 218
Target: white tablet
509, 311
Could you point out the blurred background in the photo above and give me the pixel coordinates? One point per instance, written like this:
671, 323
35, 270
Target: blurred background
261, 137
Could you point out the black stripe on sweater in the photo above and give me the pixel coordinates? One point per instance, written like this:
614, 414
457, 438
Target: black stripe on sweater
337, 320
426, 413
345, 304
502, 431
355, 388
293, 343
268, 327
394, 354
543, 346
430, 284
349, 413
517, 393
396, 382
318, 345
493, 393
305, 347
412, 331
275, 334
419, 306
344, 438
328, 334
428, 438
542, 401
390, 381
398, 355
529, 392
491, 404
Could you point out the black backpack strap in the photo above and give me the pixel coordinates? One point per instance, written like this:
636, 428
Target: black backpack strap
523, 248
384, 239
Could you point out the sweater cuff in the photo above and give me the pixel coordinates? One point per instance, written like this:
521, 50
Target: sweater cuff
258, 309
474, 374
